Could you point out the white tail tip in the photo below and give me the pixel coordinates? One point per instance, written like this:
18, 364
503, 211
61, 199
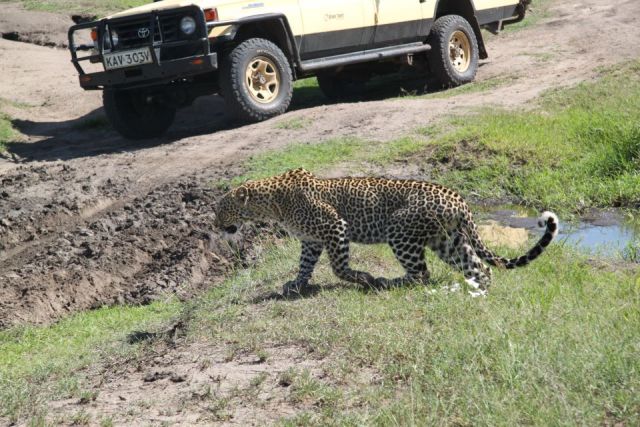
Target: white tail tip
549, 216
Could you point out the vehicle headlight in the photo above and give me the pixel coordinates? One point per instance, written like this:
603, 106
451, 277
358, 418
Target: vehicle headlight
115, 38
188, 25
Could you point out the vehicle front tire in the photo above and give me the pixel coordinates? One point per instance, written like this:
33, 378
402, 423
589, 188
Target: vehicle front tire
454, 55
341, 87
256, 80
135, 115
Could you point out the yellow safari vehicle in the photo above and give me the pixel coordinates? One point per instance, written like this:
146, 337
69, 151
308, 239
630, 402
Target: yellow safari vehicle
159, 57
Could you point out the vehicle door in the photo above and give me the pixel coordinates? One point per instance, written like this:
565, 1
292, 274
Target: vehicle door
400, 21
334, 27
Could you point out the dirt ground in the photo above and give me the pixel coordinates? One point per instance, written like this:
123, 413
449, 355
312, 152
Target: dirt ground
88, 219
83, 212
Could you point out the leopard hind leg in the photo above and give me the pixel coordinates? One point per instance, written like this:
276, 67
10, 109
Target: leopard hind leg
459, 254
409, 252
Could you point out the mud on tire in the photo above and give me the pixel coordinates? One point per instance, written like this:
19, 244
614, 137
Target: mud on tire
256, 80
454, 56
134, 116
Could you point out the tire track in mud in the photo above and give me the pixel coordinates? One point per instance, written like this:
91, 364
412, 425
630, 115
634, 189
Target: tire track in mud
56, 261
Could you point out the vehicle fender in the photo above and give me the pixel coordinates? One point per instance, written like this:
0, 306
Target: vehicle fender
467, 10
273, 26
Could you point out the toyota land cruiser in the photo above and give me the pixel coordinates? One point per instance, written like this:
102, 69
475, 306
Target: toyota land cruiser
159, 57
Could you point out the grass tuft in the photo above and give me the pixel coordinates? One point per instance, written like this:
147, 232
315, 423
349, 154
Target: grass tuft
7, 132
296, 123
473, 87
31, 356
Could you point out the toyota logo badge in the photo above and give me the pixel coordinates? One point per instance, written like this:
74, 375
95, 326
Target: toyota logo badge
143, 32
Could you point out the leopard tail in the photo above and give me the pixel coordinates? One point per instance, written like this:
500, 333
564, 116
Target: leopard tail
547, 219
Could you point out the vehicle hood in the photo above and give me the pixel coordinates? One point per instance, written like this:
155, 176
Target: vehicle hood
171, 4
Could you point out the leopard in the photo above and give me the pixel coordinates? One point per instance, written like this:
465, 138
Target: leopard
327, 214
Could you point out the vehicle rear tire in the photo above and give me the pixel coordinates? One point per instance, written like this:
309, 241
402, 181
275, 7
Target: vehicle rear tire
453, 58
341, 87
136, 116
256, 80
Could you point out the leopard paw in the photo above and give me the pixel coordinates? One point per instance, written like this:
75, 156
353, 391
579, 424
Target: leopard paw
293, 287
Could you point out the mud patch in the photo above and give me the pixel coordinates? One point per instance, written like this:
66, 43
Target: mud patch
33, 38
56, 261
35, 27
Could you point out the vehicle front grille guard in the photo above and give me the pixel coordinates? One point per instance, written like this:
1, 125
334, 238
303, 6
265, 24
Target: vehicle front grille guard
104, 30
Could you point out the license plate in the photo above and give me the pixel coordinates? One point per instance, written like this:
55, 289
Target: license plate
127, 58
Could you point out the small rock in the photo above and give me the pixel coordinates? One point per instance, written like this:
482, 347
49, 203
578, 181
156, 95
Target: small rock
89, 251
63, 242
177, 378
155, 376
85, 232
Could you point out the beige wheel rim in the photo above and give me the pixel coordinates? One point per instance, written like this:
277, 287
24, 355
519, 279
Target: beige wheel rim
262, 79
460, 51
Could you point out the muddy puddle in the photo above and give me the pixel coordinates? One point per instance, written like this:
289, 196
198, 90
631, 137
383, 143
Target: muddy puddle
611, 233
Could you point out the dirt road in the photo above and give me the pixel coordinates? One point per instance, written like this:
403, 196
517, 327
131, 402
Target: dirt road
87, 218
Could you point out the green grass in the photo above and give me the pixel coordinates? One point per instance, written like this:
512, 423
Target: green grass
541, 56
7, 133
307, 83
319, 157
39, 363
296, 123
97, 7
538, 11
306, 92
554, 343
579, 148
474, 87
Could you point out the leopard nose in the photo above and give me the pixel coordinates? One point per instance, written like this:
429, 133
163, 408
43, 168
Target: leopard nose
231, 229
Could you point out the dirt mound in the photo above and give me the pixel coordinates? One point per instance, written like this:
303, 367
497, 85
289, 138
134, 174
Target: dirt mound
41, 28
72, 253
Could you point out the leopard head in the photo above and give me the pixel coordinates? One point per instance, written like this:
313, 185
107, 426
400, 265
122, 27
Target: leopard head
231, 210
245, 203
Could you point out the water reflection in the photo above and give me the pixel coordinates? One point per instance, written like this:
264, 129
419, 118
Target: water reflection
604, 232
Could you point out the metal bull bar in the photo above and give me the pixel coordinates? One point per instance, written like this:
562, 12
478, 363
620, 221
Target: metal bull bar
156, 71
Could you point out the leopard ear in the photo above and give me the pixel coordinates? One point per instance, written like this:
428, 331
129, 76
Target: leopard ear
242, 195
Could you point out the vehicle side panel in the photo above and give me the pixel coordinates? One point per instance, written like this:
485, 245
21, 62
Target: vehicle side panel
238, 10
397, 22
333, 27
488, 11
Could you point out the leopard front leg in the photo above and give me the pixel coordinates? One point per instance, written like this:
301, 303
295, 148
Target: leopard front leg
309, 256
338, 250
327, 226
